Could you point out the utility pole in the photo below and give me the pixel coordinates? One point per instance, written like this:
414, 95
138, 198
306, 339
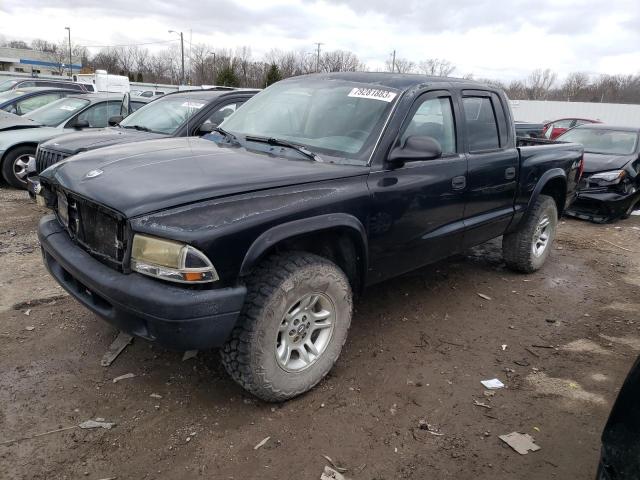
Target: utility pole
70, 63
182, 52
214, 66
393, 62
318, 56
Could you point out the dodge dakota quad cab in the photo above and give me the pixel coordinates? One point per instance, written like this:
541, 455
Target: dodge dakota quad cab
256, 238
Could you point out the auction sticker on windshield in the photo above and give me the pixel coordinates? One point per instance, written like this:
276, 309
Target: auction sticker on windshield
374, 93
69, 108
192, 105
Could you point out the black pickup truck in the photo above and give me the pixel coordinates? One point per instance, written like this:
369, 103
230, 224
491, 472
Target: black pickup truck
256, 238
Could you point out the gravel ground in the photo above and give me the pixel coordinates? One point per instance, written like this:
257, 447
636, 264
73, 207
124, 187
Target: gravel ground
561, 340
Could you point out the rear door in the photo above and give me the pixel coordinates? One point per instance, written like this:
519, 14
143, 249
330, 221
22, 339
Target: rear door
417, 209
493, 163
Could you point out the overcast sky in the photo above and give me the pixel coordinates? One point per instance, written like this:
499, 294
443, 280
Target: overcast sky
501, 39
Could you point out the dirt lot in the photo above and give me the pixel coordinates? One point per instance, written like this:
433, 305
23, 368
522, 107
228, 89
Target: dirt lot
417, 350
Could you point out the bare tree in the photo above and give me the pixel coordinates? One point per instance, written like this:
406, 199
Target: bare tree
575, 84
402, 65
438, 67
340, 61
539, 84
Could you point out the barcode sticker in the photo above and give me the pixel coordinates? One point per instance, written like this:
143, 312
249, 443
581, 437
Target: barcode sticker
373, 93
193, 105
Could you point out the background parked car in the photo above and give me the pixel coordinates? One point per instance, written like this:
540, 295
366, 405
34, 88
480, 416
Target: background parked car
40, 82
179, 114
529, 129
555, 128
24, 100
610, 186
19, 136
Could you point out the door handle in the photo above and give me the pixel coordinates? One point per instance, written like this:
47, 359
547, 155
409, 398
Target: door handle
459, 183
510, 173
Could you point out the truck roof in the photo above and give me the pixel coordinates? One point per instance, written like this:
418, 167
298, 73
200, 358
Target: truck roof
398, 81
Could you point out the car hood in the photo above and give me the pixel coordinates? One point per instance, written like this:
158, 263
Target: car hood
10, 138
600, 162
154, 175
75, 142
9, 121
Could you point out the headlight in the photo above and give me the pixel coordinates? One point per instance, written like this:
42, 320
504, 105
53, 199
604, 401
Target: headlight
170, 260
607, 178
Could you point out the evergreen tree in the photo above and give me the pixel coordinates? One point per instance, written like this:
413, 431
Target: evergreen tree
227, 77
273, 75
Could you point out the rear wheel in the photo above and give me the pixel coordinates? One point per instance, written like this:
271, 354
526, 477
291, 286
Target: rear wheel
14, 166
292, 328
526, 249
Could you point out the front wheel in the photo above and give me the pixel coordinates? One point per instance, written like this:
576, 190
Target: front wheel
292, 328
526, 249
14, 166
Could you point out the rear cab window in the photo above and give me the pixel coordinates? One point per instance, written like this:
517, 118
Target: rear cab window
486, 121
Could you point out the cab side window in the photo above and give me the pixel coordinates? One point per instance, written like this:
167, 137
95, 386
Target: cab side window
98, 115
434, 118
219, 115
480, 119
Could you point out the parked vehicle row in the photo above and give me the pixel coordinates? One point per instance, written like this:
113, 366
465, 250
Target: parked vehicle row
257, 237
20, 135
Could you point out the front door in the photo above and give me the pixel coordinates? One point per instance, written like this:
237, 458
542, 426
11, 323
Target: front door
417, 209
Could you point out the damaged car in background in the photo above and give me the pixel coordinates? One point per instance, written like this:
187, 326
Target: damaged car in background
610, 186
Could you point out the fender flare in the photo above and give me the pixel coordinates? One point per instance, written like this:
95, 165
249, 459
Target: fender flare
294, 228
543, 181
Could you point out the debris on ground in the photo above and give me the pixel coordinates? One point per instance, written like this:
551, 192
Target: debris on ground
334, 464
189, 354
520, 442
27, 312
330, 474
480, 404
124, 377
30, 328
262, 443
97, 423
432, 429
486, 297
155, 395
504, 347
116, 348
492, 384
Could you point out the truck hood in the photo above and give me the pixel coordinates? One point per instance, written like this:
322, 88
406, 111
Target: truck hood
9, 121
145, 177
600, 162
75, 142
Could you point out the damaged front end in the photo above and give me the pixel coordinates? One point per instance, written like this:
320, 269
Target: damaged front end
606, 196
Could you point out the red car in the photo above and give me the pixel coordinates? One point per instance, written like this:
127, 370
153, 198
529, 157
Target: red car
557, 127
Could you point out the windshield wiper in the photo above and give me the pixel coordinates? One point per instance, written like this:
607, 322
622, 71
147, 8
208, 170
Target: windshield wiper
230, 136
138, 127
283, 143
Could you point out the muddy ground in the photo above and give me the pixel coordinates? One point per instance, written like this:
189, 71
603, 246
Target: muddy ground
418, 348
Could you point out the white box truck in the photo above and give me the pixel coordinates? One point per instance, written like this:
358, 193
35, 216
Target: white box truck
101, 81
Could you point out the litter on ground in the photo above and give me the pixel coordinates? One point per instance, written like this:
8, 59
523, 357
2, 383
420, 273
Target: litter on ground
520, 442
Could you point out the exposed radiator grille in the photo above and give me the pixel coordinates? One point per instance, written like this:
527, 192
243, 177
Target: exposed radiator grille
46, 157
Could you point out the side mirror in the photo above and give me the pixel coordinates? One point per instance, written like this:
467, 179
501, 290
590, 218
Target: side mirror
206, 128
416, 148
115, 120
80, 124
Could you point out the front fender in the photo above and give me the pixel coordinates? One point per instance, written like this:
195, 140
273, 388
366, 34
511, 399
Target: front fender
284, 231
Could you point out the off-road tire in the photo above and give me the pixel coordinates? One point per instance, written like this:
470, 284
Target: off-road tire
249, 354
7, 165
517, 247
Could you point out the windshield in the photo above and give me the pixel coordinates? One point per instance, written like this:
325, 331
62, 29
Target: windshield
165, 115
10, 94
7, 84
55, 113
594, 140
334, 117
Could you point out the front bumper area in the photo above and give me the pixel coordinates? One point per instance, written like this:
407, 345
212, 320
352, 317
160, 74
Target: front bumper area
175, 317
602, 207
